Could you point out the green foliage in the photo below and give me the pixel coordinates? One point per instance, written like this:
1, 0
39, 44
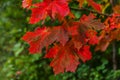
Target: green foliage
33, 67
26, 67
17, 64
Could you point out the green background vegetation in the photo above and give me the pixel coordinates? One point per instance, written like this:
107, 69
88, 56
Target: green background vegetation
17, 64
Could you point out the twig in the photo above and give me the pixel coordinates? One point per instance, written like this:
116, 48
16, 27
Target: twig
114, 56
114, 44
92, 11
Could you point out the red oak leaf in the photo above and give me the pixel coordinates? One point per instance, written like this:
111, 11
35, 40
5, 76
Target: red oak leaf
49, 7
26, 3
94, 5
65, 60
84, 53
43, 37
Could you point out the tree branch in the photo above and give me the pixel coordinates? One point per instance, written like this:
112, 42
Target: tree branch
92, 11
113, 2
114, 56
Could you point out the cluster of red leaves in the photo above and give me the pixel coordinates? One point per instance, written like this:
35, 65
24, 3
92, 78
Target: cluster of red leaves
49, 8
110, 33
71, 40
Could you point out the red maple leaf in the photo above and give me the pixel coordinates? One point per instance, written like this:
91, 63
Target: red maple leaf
84, 53
64, 60
91, 23
77, 32
49, 7
26, 3
34, 39
78, 37
52, 52
43, 37
85, 31
92, 37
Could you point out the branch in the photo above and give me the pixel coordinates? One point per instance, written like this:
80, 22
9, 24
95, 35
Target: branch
114, 56
92, 11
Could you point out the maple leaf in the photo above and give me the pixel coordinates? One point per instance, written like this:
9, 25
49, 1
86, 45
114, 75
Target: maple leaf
43, 37
84, 53
65, 60
78, 41
93, 40
103, 44
104, 41
26, 3
91, 23
49, 7
34, 39
77, 32
73, 28
85, 31
52, 52
92, 36
94, 5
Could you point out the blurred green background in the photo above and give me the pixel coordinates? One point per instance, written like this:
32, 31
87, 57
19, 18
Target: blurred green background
17, 64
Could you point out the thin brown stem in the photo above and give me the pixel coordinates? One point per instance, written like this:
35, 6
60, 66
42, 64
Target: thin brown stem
92, 11
114, 56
